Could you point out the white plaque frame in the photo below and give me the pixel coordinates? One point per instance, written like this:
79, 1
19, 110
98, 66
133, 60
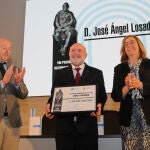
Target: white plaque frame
74, 99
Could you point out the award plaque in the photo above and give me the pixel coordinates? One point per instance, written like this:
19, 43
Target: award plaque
74, 99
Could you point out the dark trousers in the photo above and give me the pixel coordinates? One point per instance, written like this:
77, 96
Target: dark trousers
76, 141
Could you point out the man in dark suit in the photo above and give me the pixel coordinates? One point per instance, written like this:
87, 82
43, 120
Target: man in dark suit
78, 132
12, 87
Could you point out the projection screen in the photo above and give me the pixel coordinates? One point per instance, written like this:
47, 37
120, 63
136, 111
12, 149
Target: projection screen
101, 26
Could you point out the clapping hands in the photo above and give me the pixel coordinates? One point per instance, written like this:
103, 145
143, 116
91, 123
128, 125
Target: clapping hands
18, 76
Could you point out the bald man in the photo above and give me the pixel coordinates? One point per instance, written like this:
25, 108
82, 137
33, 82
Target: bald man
78, 132
12, 87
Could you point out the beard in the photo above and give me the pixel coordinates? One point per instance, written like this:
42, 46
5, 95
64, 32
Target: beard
77, 62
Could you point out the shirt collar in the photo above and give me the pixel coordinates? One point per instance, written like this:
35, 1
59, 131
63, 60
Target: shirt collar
81, 66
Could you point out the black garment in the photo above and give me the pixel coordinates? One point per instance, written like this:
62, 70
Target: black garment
120, 72
76, 141
85, 125
3, 71
2, 68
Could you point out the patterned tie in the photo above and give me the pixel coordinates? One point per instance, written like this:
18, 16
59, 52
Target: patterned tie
77, 77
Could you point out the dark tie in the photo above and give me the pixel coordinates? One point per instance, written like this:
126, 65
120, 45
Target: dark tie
77, 77
2, 68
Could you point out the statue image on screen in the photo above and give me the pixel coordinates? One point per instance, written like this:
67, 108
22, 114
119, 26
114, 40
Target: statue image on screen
64, 28
58, 100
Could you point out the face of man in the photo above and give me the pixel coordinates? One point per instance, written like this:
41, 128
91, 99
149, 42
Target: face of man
5, 50
77, 54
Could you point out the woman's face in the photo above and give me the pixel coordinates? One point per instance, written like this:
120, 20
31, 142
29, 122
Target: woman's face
132, 48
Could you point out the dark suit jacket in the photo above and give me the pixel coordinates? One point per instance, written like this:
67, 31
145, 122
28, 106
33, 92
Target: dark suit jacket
9, 96
85, 123
120, 72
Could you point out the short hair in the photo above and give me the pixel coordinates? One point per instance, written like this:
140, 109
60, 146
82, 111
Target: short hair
142, 50
79, 45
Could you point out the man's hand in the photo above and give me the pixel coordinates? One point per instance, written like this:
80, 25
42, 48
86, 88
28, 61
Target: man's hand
47, 111
19, 75
8, 75
98, 113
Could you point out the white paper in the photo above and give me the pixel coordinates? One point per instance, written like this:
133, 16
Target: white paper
75, 98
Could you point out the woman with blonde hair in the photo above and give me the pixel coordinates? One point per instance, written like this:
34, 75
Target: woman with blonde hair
131, 87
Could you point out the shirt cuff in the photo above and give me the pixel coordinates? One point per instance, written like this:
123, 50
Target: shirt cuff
1, 84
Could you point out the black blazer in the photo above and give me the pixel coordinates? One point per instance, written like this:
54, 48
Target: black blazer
85, 123
120, 72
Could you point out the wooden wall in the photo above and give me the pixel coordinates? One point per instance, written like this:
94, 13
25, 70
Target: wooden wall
39, 104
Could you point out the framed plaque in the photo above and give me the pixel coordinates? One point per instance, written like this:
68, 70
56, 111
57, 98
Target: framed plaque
74, 99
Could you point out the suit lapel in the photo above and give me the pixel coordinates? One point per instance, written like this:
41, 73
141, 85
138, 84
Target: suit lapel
141, 69
85, 74
71, 76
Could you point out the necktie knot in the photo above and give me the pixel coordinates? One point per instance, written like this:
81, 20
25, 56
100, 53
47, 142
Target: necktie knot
78, 69
78, 76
